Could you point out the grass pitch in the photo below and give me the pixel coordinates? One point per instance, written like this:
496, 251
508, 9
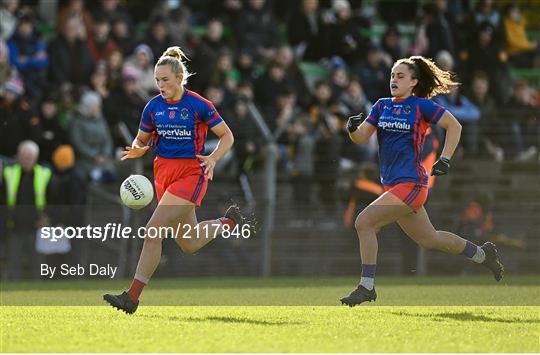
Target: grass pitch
448, 314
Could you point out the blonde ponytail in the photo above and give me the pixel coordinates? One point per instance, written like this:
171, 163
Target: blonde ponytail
174, 56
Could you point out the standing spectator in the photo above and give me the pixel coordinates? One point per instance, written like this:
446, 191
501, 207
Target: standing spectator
246, 137
26, 189
339, 81
115, 63
99, 84
28, 55
6, 70
439, 31
53, 134
392, 43
256, 29
270, 84
111, 10
285, 57
69, 56
346, 40
142, 62
92, 140
99, 42
17, 120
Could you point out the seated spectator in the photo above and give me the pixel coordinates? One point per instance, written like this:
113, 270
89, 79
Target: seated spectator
245, 64
285, 57
523, 53
271, 83
17, 119
142, 62
6, 70
111, 10
28, 55
53, 134
247, 141
439, 31
374, 73
339, 81
69, 57
100, 42
467, 114
91, 139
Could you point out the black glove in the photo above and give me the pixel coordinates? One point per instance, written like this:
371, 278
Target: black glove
354, 121
441, 166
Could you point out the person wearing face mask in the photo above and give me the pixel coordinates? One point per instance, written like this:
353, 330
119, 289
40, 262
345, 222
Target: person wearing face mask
177, 121
401, 123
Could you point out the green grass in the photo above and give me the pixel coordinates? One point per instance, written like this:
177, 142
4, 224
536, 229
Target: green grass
448, 314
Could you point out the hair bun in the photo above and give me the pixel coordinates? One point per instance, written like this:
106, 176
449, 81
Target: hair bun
174, 52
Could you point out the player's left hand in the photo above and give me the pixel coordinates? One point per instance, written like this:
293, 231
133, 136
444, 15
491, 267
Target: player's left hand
441, 166
208, 163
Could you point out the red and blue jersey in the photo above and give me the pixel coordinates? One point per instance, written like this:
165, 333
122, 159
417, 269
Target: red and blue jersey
401, 130
179, 127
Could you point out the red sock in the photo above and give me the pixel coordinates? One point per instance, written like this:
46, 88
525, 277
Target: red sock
135, 289
227, 221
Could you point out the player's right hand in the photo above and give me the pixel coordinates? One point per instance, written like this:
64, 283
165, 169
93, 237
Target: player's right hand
134, 152
354, 121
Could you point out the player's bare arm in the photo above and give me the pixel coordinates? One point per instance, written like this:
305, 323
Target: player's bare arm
138, 147
226, 141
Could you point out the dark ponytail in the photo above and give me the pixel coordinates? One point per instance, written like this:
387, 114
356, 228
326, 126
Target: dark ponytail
432, 80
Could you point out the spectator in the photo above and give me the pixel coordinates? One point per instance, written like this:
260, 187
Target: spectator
122, 35
271, 83
53, 134
374, 73
307, 33
256, 30
28, 55
346, 40
26, 189
207, 52
247, 143
17, 120
525, 124
339, 81
285, 57
69, 56
100, 42
158, 38
392, 43
111, 10
6, 70
485, 54
493, 131
92, 140
245, 64
75, 9
115, 63
142, 63
8, 14
99, 84
523, 53
126, 107
439, 31
327, 127
467, 114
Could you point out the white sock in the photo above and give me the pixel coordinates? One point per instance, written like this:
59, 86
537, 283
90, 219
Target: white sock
479, 256
367, 282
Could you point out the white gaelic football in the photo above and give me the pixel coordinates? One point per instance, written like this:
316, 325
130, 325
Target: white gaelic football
136, 192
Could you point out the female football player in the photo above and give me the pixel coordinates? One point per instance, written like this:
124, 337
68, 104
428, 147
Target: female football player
401, 123
177, 120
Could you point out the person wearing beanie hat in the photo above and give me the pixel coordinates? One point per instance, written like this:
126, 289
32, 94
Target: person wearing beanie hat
140, 64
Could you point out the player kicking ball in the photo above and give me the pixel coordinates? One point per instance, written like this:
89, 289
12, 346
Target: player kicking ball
178, 121
401, 123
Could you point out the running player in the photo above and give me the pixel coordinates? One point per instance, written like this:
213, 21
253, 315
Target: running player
177, 120
401, 123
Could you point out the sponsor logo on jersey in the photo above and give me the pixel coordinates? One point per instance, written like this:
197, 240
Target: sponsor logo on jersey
160, 113
184, 114
171, 114
176, 132
395, 126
